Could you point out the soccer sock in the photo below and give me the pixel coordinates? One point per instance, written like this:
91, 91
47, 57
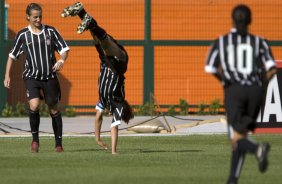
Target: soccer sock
81, 13
237, 160
34, 120
97, 30
247, 145
57, 124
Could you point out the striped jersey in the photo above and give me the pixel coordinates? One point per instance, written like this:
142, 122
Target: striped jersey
111, 81
239, 59
39, 50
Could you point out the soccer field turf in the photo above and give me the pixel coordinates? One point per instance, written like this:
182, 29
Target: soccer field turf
157, 160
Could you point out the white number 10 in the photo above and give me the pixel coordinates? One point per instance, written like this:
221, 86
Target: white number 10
244, 68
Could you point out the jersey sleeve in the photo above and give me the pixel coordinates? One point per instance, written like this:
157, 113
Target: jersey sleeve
60, 44
266, 55
17, 47
213, 60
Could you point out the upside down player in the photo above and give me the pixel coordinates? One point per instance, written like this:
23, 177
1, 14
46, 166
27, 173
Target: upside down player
114, 60
239, 59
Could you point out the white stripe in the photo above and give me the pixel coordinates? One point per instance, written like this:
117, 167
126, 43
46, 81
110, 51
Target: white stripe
112, 78
210, 68
104, 71
33, 46
40, 55
239, 166
231, 132
122, 91
119, 113
99, 108
239, 39
101, 86
115, 86
17, 42
257, 47
222, 58
268, 64
46, 53
106, 83
52, 75
12, 56
267, 50
115, 123
32, 62
64, 50
26, 71
237, 78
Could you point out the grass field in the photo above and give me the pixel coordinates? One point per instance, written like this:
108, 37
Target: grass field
193, 159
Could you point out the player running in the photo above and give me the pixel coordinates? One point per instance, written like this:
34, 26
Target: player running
238, 60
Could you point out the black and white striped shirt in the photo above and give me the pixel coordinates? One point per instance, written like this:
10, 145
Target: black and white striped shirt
239, 59
39, 50
111, 82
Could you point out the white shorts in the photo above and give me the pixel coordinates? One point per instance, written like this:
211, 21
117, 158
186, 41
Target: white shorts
100, 107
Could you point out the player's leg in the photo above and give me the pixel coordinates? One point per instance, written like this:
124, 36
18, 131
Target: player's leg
34, 120
254, 105
234, 105
33, 97
117, 117
98, 124
99, 34
72, 10
237, 156
114, 137
52, 94
110, 46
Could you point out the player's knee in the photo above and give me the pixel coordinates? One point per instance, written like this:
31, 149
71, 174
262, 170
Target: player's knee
34, 107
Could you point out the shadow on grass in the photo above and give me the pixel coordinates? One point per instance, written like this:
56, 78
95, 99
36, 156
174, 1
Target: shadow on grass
170, 151
88, 150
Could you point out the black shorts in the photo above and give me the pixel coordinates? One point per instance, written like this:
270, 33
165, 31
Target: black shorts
242, 105
50, 89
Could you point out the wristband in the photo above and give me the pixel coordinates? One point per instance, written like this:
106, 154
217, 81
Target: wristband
60, 60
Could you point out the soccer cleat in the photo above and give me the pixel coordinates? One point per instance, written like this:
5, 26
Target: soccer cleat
72, 10
34, 147
262, 153
59, 149
83, 26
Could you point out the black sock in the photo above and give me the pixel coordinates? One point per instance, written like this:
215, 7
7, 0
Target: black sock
81, 14
34, 120
246, 145
237, 160
57, 124
97, 30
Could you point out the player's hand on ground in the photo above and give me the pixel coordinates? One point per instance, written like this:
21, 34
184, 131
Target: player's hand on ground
58, 66
7, 82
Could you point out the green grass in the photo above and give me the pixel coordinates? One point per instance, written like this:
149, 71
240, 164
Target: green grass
156, 160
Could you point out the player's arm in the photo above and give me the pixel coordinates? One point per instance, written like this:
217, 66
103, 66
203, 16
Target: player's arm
7, 79
268, 60
212, 62
14, 54
270, 73
60, 63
